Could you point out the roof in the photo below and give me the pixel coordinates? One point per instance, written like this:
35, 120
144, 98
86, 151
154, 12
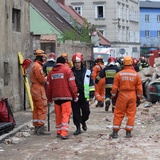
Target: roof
79, 19
149, 4
48, 38
73, 13
51, 15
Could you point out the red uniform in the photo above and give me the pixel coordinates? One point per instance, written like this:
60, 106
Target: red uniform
61, 88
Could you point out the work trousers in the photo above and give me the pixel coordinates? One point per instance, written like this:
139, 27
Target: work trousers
39, 113
125, 106
108, 94
81, 111
100, 90
63, 112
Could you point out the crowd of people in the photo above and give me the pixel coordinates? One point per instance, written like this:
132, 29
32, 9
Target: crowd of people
70, 86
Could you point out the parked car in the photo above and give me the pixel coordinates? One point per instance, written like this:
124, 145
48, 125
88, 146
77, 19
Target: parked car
153, 91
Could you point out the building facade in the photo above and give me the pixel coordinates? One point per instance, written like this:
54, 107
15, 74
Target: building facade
15, 37
118, 21
149, 26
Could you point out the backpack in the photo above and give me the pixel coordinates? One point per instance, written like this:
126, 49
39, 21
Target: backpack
6, 114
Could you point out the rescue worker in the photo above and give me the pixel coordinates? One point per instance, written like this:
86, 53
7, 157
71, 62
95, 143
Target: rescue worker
61, 88
67, 63
127, 83
144, 62
100, 86
50, 63
38, 93
108, 73
81, 110
137, 66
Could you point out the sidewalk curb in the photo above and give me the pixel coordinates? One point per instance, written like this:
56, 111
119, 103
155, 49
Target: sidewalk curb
15, 130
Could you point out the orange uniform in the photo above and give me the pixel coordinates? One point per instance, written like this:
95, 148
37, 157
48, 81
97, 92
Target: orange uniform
129, 85
38, 94
100, 87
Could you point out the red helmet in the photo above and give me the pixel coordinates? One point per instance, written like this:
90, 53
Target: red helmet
111, 59
77, 57
52, 55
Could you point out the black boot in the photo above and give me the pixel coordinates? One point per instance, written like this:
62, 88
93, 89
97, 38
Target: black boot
99, 104
42, 131
35, 129
128, 134
78, 130
107, 104
114, 134
84, 126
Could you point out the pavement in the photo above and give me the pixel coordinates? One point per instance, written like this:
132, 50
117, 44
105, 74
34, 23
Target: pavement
22, 119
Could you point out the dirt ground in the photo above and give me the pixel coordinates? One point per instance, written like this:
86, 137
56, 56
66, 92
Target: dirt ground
95, 143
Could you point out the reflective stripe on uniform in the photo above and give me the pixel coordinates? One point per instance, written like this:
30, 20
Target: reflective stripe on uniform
129, 127
72, 78
38, 120
86, 84
116, 127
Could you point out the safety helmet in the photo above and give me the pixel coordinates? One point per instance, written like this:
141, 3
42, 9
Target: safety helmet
99, 57
64, 55
40, 52
127, 61
52, 55
77, 57
111, 59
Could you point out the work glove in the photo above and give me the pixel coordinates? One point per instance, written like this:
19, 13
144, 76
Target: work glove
76, 99
138, 102
113, 99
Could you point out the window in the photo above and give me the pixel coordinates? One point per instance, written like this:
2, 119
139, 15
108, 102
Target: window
78, 9
158, 33
146, 18
158, 18
102, 31
16, 15
99, 11
147, 34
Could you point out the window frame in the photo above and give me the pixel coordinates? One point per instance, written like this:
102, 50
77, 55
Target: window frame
147, 33
147, 18
158, 33
96, 11
78, 6
158, 18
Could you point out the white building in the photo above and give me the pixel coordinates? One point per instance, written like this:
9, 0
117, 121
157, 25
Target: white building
118, 20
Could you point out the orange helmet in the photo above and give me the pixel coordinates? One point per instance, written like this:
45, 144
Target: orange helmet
77, 57
64, 55
52, 55
40, 52
111, 59
127, 61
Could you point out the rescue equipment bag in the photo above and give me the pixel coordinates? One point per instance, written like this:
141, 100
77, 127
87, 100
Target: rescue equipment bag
6, 114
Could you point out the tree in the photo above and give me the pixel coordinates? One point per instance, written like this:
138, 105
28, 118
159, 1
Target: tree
81, 33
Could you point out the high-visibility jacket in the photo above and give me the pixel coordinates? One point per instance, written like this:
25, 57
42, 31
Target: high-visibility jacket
84, 82
47, 67
108, 72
